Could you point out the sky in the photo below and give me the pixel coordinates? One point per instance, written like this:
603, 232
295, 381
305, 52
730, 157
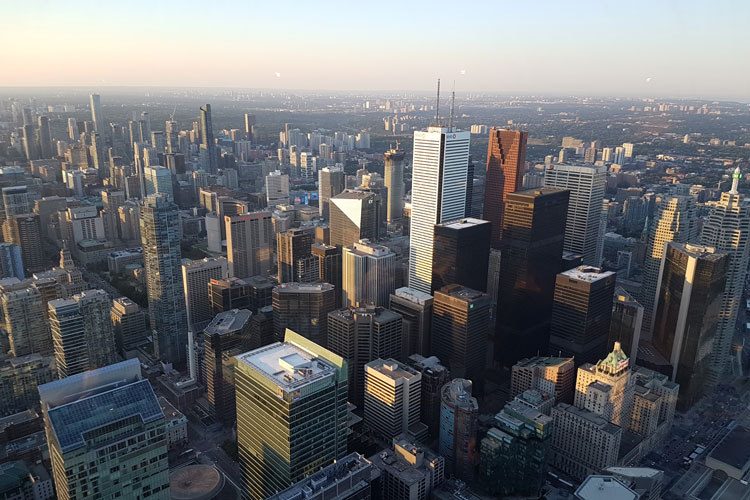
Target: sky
659, 48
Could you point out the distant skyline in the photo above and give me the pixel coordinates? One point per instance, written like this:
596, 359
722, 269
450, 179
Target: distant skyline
660, 49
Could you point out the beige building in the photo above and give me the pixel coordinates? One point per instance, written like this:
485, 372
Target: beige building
196, 274
249, 244
552, 375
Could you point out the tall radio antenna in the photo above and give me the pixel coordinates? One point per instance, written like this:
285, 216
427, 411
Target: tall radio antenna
437, 107
453, 101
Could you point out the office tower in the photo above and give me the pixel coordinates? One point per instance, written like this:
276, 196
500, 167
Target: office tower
533, 235
440, 169
434, 377
196, 275
460, 328
676, 220
162, 262
627, 148
361, 335
261, 327
19, 379
129, 323
24, 319
625, 326
690, 293
369, 274
607, 388
506, 159
416, 309
207, 145
727, 230
226, 336
228, 294
96, 112
458, 428
394, 181
594, 448
586, 186
556, 376
158, 180
461, 254
329, 263
654, 404
277, 189
15, 201
291, 413
260, 292
73, 130
581, 314
393, 394
330, 183
29, 143
408, 470
354, 216
303, 308
249, 125
24, 231
105, 431
515, 452
249, 244
95, 307
45, 139
11, 263
348, 479
292, 246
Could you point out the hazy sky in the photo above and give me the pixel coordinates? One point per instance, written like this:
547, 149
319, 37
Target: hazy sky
660, 48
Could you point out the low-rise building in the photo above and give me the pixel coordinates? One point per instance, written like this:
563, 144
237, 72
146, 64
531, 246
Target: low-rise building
175, 424
408, 471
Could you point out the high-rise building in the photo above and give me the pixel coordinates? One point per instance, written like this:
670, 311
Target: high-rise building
362, 335
458, 428
434, 377
416, 310
354, 216
690, 293
196, 275
394, 181
225, 337
96, 113
158, 180
45, 139
291, 413
228, 294
515, 451
626, 323
249, 244
607, 388
439, 191
347, 479
408, 471
96, 308
461, 254
533, 235
393, 394
292, 246
460, 329
303, 308
676, 220
369, 274
331, 182
583, 442
24, 319
106, 435
277, 189
586, 186
654, 404
160, 236
506, 158
129, 323
261, 292
555, 376
25, 232
11, 263
19, 379
329, 263
207, 145
249, 125
581, 314
728, 231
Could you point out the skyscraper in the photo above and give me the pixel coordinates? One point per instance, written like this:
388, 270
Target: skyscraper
207, 146
95, 306
304, 308
196, 275
354, 216
581, 314
331, 182
129, 323
11, 263
25, 232
249, 125
160, 236
45, 139
329, 262
369, 274
586, 186
291, 413
626, 323
249, 244
533, 234
555, 376
277, 189
458, 428
228, 294
506, 158
24, 319
394, 181
292, 245
416, 309
439, 190
362, 335
460, 328
728, 230
96, 113
88, 412
461, 254
434, 377
691, 289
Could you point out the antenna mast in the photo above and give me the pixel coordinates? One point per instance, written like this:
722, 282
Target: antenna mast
453, 101
437, 107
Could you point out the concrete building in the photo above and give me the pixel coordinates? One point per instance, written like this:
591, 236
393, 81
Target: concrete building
394, 181
330, 183
277, 189
408, 471
596, 487
416, 310
11, 263
393, 393
25, 232
196, 275
556, 376
458, 428
354, 216
175, 423
654, 403
348, 479
434, 377
303, 308
292, 246
369, 274
24, 318
249, 244
19, 379
626, 324
129, 323
461, 254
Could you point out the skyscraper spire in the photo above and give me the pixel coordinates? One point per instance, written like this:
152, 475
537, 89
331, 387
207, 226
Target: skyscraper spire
736, 176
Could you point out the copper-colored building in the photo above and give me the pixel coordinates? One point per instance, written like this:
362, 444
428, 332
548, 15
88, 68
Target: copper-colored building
506, 156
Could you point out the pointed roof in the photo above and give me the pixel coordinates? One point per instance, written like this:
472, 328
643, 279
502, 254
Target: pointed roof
615, 362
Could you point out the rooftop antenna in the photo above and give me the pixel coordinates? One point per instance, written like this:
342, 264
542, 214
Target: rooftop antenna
453, 101
437, 107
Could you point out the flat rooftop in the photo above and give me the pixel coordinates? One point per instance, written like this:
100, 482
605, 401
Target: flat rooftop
228, 321
463, 223
287, 365
587, 273
605, 488
392, 369
294, 287
734, 449
543, 361
413, 295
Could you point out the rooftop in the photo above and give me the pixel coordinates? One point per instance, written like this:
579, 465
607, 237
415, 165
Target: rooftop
543, 361
587, 273
294, 287
228, 321
592, 417
463, 223
353, 469
287, 365
605, 488
392, 369
734, 449
195, 482
412, 295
